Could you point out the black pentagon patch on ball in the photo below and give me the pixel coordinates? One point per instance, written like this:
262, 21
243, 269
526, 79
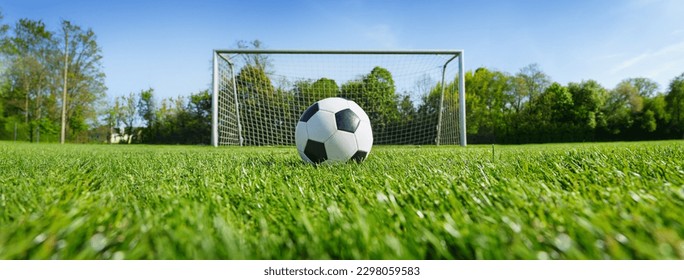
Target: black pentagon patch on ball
315, 151
359, 156
309, 112
347, 121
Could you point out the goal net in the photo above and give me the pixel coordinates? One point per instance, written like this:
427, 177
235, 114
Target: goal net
411, 97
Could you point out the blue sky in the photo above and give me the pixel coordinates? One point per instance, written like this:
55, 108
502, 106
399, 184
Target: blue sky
167, 45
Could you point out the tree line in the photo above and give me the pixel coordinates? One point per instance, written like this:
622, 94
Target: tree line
269, 113
51, 81
525, 107
54, 78
181, 120
529, 107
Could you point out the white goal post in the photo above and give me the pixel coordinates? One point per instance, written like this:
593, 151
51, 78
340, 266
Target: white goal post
411, 96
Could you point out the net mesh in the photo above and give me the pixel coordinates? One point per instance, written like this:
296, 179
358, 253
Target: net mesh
409, 98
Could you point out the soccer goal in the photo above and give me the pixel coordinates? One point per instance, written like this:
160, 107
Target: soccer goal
411, 97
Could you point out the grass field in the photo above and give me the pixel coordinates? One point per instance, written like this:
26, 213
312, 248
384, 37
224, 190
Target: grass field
568, 201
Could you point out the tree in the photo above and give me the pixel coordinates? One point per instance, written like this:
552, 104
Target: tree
180, 120
622, 107
656, 116
645, 87
431, 103
166, 129
111, 114
4, 83
588, 97
675, 104
29, 52
407, 110
303, 93
305, 90
128, 113
147, 106
547, 116
257, 95
65, 29
324, 88
45, 80
199, 122
560, 102
529, 82
376, 90
3, 32
85, 77
261, 61
486, 103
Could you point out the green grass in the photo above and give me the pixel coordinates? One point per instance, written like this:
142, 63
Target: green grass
569, 201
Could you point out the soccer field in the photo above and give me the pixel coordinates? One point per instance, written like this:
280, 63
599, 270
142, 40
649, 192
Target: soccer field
564, 201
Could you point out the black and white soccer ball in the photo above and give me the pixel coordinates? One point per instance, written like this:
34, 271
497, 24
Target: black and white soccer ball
334, 130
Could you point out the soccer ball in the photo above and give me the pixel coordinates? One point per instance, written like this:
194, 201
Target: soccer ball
333, 130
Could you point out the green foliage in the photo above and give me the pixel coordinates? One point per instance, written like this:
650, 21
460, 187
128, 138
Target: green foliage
525, 107
260, 61
548, 116
3, 32
645, 87
658, 106
35, 60
128, 111
588, 98
147, 106
302, 94
28, 52
486, 102
622, 103
376, 90
320, 89
675, 104
501, 110
648, 121
527, 84
579, 201
178, 122
85, 84
259, 99
428, 110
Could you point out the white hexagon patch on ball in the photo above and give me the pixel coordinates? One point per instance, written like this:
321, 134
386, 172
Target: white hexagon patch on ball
334, 130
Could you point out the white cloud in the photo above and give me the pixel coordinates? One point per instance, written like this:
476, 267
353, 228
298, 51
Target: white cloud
628, 63
660, 64
664, 55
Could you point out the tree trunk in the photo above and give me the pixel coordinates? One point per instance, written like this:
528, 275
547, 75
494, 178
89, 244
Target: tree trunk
64, 91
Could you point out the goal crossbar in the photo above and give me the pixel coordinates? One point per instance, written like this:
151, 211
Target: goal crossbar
265, 51
218, 54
